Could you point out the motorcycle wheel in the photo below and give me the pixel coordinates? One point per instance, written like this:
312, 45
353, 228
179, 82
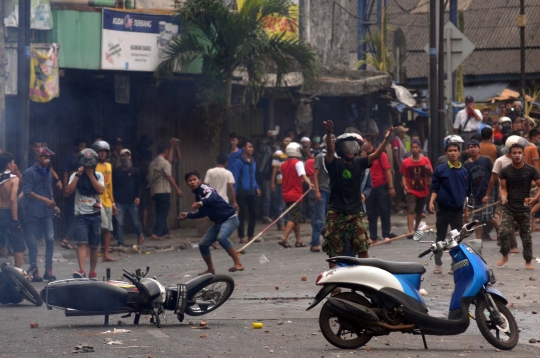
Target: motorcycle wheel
493, 333
217, 291
21, 283
335, 331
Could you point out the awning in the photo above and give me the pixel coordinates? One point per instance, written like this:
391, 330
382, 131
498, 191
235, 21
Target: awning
350, 84
483, 93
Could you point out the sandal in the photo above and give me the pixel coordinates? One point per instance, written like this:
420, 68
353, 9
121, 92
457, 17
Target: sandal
66, 245
141, 240
284, 244
314, 249
299, 244
243, 241
157, 238
438, 270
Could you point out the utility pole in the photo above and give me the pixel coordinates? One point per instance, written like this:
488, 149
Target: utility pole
442, 113
522, 22
23, 81
2, 80
433, 145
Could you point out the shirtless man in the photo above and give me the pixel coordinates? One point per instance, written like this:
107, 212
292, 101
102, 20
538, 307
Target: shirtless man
9, 219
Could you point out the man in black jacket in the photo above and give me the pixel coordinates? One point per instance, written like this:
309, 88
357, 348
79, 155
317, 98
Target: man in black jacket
127, 186
209, 203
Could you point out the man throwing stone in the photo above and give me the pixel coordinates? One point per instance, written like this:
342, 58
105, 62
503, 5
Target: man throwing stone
345, 207
515, 188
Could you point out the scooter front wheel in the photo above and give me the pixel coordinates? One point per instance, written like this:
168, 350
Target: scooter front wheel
211, 296
22, 285
342, 334
504, 336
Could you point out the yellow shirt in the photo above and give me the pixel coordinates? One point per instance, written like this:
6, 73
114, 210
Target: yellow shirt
106, 197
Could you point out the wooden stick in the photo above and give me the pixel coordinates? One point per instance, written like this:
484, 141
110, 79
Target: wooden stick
272, 223
402, 236
485, 207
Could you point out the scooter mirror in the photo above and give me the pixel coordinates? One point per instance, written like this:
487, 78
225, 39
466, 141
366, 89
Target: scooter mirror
418, 235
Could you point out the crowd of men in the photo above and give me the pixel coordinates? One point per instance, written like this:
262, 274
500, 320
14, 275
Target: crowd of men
334, 182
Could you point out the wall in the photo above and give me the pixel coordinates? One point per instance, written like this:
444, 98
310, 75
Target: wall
331, 31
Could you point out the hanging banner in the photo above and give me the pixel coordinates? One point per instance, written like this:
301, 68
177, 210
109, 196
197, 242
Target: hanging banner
277, 24
40, 15
133, 41
44, 84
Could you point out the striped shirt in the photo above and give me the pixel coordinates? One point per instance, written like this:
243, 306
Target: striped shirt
278, 158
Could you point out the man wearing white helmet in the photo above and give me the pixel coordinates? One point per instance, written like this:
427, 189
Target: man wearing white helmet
515, 197
499, 164
293, 173
345, 210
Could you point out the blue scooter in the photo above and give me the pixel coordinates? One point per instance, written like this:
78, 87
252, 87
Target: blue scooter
385, 298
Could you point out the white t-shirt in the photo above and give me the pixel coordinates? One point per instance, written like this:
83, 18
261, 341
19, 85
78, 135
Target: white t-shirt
300, 169
87, 204
461, 118
218, 178
500, 163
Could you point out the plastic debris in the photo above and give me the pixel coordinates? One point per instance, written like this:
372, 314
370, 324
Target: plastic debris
195, 246
257, 325
110, 342
116, 331
423, 292
263, 259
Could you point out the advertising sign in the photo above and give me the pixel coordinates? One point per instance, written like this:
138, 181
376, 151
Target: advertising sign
133, 41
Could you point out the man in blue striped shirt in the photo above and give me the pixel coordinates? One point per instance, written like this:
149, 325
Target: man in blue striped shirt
39, 212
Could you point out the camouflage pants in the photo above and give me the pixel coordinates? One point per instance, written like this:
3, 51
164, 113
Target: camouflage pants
523, 220
341, 225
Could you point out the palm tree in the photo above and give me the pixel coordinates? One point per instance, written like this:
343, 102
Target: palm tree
381, 60
227, 39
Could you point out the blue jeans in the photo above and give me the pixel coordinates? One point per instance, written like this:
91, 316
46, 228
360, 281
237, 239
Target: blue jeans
163, 204
132, 211
278, 206
318, 216
35, 229
379, 203
266, 198
221, 233
88, 230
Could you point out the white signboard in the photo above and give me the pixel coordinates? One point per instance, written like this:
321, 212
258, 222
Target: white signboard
132, 41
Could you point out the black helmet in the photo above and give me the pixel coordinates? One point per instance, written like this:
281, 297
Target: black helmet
101, 145
88, 158
347, 143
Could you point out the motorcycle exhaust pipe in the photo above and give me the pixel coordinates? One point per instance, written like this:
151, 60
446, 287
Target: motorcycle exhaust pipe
350, 311
345, 309
76, 313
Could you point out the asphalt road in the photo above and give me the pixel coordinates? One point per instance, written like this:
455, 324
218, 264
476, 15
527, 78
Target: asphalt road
272, 293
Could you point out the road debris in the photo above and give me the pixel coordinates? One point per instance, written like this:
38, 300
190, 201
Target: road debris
304, 278
110, 342
34, 325
423, 292
263, 259
83, 348
116, 331
257, 325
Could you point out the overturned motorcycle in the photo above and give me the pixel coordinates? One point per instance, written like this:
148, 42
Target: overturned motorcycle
385, 298
141, 295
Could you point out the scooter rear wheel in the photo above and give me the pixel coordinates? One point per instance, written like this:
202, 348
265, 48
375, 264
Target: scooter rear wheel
335, 331
494, 333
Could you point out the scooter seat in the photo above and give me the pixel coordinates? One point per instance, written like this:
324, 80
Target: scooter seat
390, 266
